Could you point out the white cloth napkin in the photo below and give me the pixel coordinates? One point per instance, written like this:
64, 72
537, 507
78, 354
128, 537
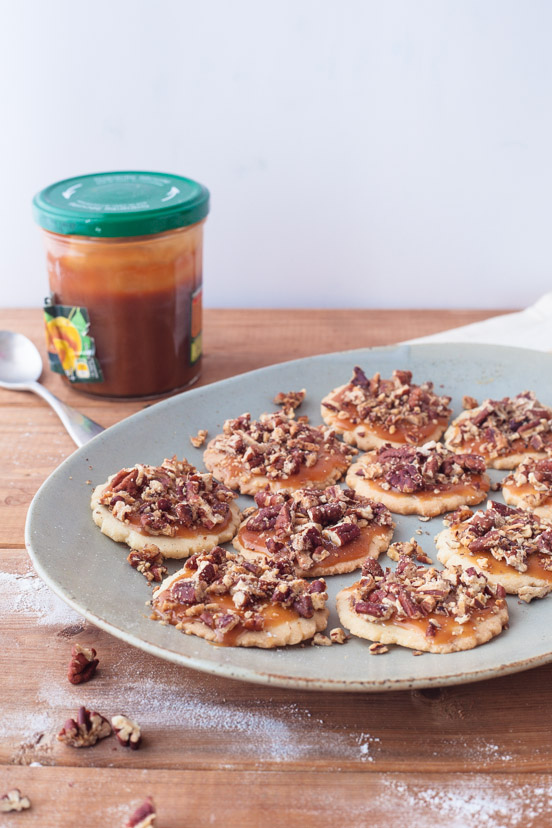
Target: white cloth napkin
530, 328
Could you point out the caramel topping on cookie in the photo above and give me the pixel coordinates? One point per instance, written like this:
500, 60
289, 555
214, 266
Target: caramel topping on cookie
311, 526
413, 592
498, 428
161, 500
510, 535
535, 475
228, 594
277, 446
395, 404
428, 468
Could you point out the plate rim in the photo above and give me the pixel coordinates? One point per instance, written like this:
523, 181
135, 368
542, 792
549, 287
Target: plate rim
250, 675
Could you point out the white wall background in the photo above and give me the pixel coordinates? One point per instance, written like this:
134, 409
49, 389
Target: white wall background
379, 153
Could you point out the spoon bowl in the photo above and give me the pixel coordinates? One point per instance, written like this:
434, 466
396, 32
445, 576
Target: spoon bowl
20, 360
20, 370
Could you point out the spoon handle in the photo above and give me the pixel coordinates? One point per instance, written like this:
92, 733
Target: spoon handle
80, 427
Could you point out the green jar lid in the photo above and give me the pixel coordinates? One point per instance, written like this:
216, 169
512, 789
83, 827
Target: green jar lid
120, 204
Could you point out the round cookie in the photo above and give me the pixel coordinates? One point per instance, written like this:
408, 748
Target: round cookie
509, 546
276, 451
369, 413
423, 608
225, 599
425, 480
505, 432
322, 532
529, 487
180, 509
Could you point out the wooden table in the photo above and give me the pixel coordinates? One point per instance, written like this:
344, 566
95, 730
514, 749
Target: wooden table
218, 752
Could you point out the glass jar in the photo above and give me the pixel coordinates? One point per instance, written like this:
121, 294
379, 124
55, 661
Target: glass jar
124, 257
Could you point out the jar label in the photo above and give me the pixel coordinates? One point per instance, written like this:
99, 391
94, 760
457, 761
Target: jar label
195, 326
71, 351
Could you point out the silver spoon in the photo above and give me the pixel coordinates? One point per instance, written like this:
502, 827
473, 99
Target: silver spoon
20, 369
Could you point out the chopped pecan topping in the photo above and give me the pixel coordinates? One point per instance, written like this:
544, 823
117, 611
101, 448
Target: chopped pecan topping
390, 403
199, 438
277, 446
419, 592
535, 473
469, 402
149, 561
160, 500
144, 816
378, 649
225, 591
338, 636
409, 549
82, 665
308, 524
14, 801
411, 469
320, 640
509, 535
88, 729
290, 401
502, 427
128, 733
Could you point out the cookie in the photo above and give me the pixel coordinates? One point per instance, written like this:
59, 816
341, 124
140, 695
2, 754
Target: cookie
183, 510
530, 487
509, 546
276, 451
372, 412
438, 611
225, 599
323, 532
425, 480
505, 432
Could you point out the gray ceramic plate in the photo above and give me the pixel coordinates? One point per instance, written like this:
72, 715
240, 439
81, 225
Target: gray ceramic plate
90, 573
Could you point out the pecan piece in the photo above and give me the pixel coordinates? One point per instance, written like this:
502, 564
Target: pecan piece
128, 733
320, 640
144, 816
264, 519
88, 729
378, 649
342, 533
290, 401
338, 635
82, 665
14, 801
199, 438
149, 561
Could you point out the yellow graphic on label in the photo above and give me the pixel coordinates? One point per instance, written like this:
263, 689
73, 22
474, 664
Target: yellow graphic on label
71, 349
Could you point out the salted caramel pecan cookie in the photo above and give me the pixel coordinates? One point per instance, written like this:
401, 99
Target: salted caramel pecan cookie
224, 598
184, 510
323, 532
509, 546
371, 412
529, 487
424, 480
277, 451
505, 432
440, 611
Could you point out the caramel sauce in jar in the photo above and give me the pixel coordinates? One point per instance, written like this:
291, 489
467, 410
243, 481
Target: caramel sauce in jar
124, 256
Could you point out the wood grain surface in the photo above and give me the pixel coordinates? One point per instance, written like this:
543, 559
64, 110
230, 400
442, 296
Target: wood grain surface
219, 752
